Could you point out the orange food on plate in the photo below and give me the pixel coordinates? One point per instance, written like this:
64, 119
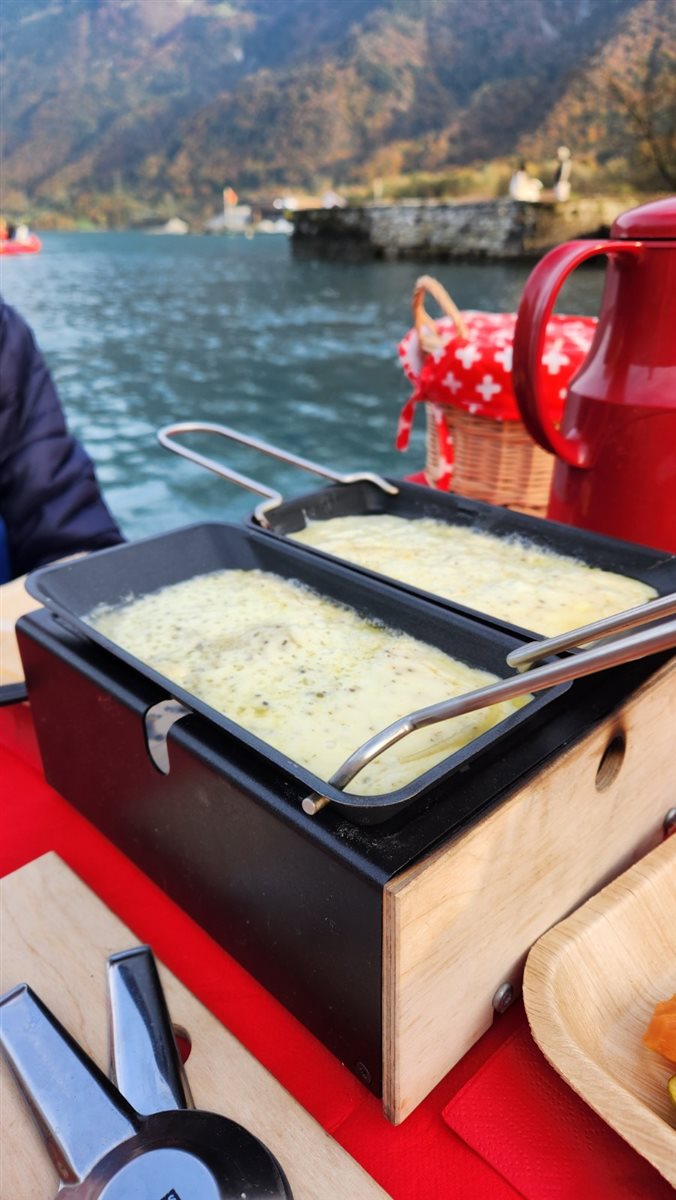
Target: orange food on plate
661, 1032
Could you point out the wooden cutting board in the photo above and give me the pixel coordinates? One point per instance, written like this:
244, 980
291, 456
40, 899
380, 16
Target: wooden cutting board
56, 936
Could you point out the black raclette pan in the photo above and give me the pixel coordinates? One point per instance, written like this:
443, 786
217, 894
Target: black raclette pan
367, 494
73, 589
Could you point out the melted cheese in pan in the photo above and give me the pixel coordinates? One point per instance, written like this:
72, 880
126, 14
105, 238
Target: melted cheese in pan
508, 578
307, 675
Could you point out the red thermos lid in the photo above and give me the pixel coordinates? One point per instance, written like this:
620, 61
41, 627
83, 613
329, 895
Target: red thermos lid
654, 220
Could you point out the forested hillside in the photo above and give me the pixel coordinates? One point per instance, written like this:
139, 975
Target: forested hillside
115, 109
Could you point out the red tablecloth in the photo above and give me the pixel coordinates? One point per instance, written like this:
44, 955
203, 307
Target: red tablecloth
501, 1125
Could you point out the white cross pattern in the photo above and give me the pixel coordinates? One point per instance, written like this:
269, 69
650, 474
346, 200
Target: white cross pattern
467, 354
452, 383
487, 388
505, 357
554, 359
582, 339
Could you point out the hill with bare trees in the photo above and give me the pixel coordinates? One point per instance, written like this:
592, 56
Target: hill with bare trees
114, 110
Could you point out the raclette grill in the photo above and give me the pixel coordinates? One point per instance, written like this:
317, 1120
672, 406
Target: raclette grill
311, 907
308, 906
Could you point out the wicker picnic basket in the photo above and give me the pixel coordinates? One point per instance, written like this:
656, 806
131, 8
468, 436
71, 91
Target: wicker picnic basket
493, 460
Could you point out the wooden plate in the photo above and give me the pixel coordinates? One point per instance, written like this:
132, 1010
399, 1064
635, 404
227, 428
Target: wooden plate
590, 987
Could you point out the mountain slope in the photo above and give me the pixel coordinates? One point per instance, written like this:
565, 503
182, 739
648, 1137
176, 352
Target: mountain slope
162, 102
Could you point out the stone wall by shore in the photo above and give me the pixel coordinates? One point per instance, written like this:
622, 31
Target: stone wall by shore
488, 229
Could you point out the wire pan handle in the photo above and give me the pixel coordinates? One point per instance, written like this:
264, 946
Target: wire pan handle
526, 656
167, 434
165, 437
587, 662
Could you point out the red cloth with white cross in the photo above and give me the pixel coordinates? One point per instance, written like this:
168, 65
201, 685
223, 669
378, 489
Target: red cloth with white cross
475, 373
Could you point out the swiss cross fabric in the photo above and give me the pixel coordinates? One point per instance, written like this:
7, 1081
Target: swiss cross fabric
475, 373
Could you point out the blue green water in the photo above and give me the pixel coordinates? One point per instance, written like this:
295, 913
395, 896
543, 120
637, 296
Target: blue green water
141, 330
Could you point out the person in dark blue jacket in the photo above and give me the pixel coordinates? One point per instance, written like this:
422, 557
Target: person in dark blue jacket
50, 503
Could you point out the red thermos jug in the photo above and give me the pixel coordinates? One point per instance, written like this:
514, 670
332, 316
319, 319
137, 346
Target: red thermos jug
616, 447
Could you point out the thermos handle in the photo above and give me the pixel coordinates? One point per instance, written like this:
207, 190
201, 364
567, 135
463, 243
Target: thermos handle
535, 309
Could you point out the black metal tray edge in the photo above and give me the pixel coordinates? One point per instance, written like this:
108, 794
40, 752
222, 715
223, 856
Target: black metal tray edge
646, 563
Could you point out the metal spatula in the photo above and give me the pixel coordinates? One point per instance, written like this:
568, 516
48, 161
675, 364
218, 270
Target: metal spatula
609, 653
141, 1139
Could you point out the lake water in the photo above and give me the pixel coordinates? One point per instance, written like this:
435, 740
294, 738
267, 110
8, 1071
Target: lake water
141, 330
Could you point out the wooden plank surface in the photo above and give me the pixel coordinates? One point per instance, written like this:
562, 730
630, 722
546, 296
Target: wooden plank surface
56, 935
459, 924
590, 988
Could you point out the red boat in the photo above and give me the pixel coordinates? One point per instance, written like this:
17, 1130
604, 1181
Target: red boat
26, 245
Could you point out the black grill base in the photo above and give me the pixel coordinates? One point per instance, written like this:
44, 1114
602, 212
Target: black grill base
297, 900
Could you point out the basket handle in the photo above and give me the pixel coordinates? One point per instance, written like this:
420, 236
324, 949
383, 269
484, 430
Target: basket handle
425, 326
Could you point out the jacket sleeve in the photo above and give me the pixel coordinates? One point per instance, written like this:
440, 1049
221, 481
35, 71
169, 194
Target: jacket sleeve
50, 501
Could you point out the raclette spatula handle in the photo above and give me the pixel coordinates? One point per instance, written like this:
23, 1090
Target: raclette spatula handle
525, 656
145, 1063
614, 653
80, 1115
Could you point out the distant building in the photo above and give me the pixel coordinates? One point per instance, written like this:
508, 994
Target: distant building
235, 219
279, 225
174, 225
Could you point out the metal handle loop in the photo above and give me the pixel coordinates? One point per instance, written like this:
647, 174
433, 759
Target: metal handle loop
166, 435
